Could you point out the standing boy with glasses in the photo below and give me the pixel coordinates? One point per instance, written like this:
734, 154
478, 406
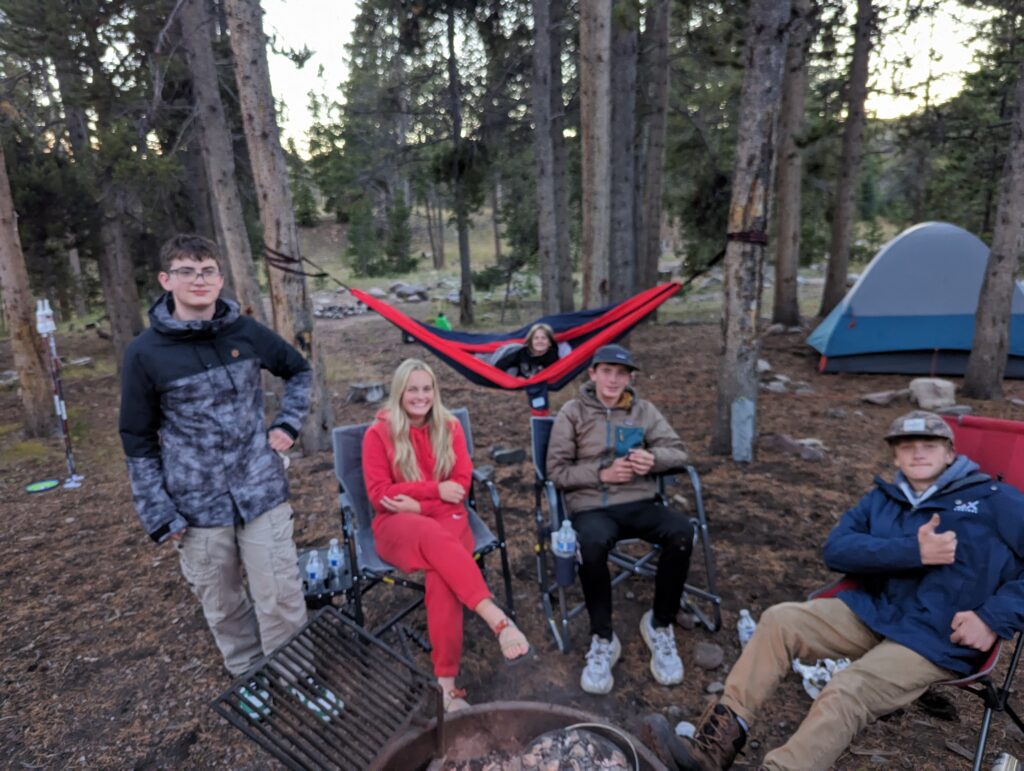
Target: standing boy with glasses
205, 471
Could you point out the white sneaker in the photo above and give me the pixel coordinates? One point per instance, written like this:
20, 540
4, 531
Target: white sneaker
666, 666
597, 674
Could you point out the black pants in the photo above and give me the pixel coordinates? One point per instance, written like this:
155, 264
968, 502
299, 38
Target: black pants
598, 531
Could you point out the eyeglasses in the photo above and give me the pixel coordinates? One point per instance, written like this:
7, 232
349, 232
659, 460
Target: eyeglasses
191, 274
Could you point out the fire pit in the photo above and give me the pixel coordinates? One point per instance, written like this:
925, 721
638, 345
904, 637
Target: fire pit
502, 726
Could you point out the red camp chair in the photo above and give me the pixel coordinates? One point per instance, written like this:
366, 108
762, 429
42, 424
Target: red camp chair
998, 447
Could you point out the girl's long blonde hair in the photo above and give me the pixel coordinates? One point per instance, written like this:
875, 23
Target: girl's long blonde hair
438, 425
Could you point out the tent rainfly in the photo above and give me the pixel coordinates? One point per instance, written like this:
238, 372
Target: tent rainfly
912, 310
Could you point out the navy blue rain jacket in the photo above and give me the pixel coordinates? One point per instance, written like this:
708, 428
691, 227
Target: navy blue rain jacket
914, 604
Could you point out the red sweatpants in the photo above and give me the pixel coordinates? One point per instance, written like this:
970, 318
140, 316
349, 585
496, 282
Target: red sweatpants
443, 549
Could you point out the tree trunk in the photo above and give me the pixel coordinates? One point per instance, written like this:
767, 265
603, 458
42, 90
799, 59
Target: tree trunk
849, 164
748, 213
293, 317
495, 218
75, 264
437, 257
595, 130
625, 44
218, 156
197, 190
461, 205
30, 358
786, 308
549, 148
655, 121
987, 362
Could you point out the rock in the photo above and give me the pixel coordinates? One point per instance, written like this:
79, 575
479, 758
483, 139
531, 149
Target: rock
630, 596
673, 712
715, 687
775, 387
807, 449
803, 388
781, 378
1016, 401
415, 298
956, 409
84, 361
708, 655
775, 329
376, 291
686, 620
931, 393
506, 456
370, 393
883, 398
763, 366
8, 378
408, 291
796, 328
835, 412
453, 298
685, 729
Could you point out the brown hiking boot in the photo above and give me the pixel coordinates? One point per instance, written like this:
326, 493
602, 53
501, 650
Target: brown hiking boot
718, 740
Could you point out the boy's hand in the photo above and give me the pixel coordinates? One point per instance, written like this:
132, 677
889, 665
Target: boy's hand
177, 535
451, 491
619, 473
969, 630
279, 440
401, 504
641, 460
936, 548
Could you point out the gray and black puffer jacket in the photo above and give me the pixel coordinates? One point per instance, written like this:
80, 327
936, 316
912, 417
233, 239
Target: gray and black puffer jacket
192, 422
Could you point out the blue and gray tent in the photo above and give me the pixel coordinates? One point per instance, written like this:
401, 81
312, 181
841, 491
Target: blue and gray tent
912, 310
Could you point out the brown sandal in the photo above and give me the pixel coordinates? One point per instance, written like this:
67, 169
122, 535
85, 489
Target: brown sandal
455, 699
516, 638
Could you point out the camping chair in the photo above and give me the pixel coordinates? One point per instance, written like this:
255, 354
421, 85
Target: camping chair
549, 514
998, 447
377, 694
368, 570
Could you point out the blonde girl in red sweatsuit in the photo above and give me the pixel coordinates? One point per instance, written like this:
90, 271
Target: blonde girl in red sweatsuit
417, 471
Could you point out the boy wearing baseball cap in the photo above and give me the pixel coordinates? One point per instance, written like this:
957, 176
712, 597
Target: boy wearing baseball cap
940, 554
605, 448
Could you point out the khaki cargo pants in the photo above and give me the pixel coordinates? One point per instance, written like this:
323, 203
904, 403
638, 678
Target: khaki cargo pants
212, 559
883, 677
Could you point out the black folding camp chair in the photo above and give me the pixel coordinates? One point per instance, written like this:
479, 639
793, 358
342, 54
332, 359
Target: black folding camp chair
549, 514
368, 570
997, 446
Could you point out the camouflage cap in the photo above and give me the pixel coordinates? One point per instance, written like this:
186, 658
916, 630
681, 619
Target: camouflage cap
919, 423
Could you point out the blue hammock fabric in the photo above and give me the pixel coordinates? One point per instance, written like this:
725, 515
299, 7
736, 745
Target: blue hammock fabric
585, 331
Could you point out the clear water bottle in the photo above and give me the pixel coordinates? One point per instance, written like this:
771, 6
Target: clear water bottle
745, 627
314, 570
563, 546
334, 561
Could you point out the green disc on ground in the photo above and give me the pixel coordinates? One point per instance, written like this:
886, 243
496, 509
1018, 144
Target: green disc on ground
41, 486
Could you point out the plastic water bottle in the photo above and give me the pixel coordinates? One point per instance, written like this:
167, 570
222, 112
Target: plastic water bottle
314, 570
334, 560
745, 627
563, 546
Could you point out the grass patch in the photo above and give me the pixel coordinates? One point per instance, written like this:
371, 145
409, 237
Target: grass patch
26, 451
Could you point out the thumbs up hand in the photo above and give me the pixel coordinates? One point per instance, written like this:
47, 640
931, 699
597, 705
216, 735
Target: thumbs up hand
936, 548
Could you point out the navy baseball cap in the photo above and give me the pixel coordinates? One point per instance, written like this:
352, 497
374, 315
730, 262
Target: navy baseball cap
613, 354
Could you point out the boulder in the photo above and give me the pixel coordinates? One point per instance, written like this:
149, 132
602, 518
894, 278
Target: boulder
883, 398
708, 655
931, 393
376, 291
763, 366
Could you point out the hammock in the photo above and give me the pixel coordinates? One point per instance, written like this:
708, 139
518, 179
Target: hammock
584, 331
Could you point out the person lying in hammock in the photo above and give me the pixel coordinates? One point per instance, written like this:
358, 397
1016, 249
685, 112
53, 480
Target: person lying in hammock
537, 351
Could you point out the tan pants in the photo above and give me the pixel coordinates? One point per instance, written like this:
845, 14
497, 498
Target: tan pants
883, 677
212, 559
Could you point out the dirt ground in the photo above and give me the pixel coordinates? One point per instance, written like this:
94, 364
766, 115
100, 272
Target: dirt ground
106, 661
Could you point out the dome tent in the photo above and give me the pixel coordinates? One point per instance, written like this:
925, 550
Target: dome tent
912, 310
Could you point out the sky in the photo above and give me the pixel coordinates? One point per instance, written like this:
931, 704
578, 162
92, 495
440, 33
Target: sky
325, 26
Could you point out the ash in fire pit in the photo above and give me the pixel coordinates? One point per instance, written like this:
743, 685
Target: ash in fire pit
567, 749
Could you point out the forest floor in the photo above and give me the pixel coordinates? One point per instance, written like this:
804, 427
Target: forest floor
106, 661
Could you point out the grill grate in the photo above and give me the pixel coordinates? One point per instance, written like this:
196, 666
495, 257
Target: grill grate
377, 691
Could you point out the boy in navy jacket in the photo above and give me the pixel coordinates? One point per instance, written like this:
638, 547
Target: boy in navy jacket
940, 555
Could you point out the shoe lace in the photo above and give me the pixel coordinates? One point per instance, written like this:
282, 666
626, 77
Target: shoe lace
663, 642
600, 652
712, 730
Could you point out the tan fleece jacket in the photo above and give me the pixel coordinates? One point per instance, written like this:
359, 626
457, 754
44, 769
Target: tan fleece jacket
587, 437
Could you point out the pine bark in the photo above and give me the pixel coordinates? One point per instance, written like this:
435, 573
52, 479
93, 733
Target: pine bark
218, 156
549, 148
293, 317
458, 188
30, 357
595, 131
749, 210
786, 307
850, 159
987, 362
625, 46
654, 117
